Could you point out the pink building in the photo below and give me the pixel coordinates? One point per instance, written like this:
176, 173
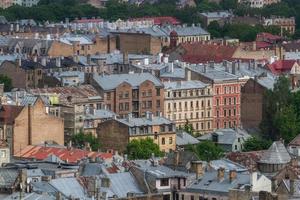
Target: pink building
226, 88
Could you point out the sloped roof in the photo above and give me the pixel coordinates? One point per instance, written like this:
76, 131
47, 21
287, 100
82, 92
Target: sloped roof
276, 154
8, 177
72, 155
8, 113
281, 66
295, 141
199, 53
110, 82
122, 183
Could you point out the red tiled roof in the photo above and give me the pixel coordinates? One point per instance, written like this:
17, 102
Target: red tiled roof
263, 45
268, 36
281, 66
199, 52
8, 113
159, 20
71, 156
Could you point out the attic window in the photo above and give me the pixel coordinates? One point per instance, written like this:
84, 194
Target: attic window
69, 98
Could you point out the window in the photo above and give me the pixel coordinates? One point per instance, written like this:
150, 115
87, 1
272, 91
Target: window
191, 104
192, 197
224, 113
157, 103
218, 102
158, 92
169, 106
174, 106
191, 115
208, 125
163, 141
197, 104
164, 182
234, 100
108, 96
202, 103
170, 140
235, 147
225, 102
208, 114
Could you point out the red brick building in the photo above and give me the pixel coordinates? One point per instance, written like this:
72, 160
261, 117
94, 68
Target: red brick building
226, 88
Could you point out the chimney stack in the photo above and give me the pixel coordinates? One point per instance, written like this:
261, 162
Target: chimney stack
129, 117
58, 62
221, 172
233, 67
197, 167
232, 175
88, 59
176, 158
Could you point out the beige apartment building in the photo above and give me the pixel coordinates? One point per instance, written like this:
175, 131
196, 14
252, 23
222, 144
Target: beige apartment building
189, 101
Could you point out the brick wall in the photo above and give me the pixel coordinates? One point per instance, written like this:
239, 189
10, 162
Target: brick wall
44, 127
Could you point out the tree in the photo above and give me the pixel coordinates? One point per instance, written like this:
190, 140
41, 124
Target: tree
214, 29
255, 144
7, 82
280, 112
207, 150
81, 138
142, 149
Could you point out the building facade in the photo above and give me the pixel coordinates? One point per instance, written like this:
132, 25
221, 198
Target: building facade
189, 102
115, 134
131, 93
226, 88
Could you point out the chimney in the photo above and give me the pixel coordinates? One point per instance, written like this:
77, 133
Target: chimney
232, 175
197, 167
212, 64
69, 147
171, 67
221, 172
44, 61
204, 68
129, 117
88, 59
58, 196
19, 61
292, 186
233, 67
125, 58
29, 107
159, 56
166, 59
176, 158
239, 65
58, 62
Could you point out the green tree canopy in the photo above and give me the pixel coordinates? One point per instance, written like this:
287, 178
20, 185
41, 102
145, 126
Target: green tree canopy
142, 149
81, 138
207, 150
255, 144
281, 112
7, 82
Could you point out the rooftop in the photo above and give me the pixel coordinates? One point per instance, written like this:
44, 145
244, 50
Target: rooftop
185, 85
110, 82
145, 121
276, 154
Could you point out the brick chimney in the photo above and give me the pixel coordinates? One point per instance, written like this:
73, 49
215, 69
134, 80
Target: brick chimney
232, 175
197, 167
176, 158
221, 172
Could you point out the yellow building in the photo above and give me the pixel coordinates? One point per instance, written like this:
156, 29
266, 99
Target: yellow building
115, 134
189, 101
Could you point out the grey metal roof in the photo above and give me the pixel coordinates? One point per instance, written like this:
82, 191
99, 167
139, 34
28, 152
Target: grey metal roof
68, 187
227, 165
210, 184
183, 138
177, 73
101, 114
228, 136
184, 85
91, 169
29, 196
122, 183
213, 73
159, 171
110, 82
185, 30
156, 120
276, 154
8, 177
34, 172
117, 57
43, 187
31, 100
